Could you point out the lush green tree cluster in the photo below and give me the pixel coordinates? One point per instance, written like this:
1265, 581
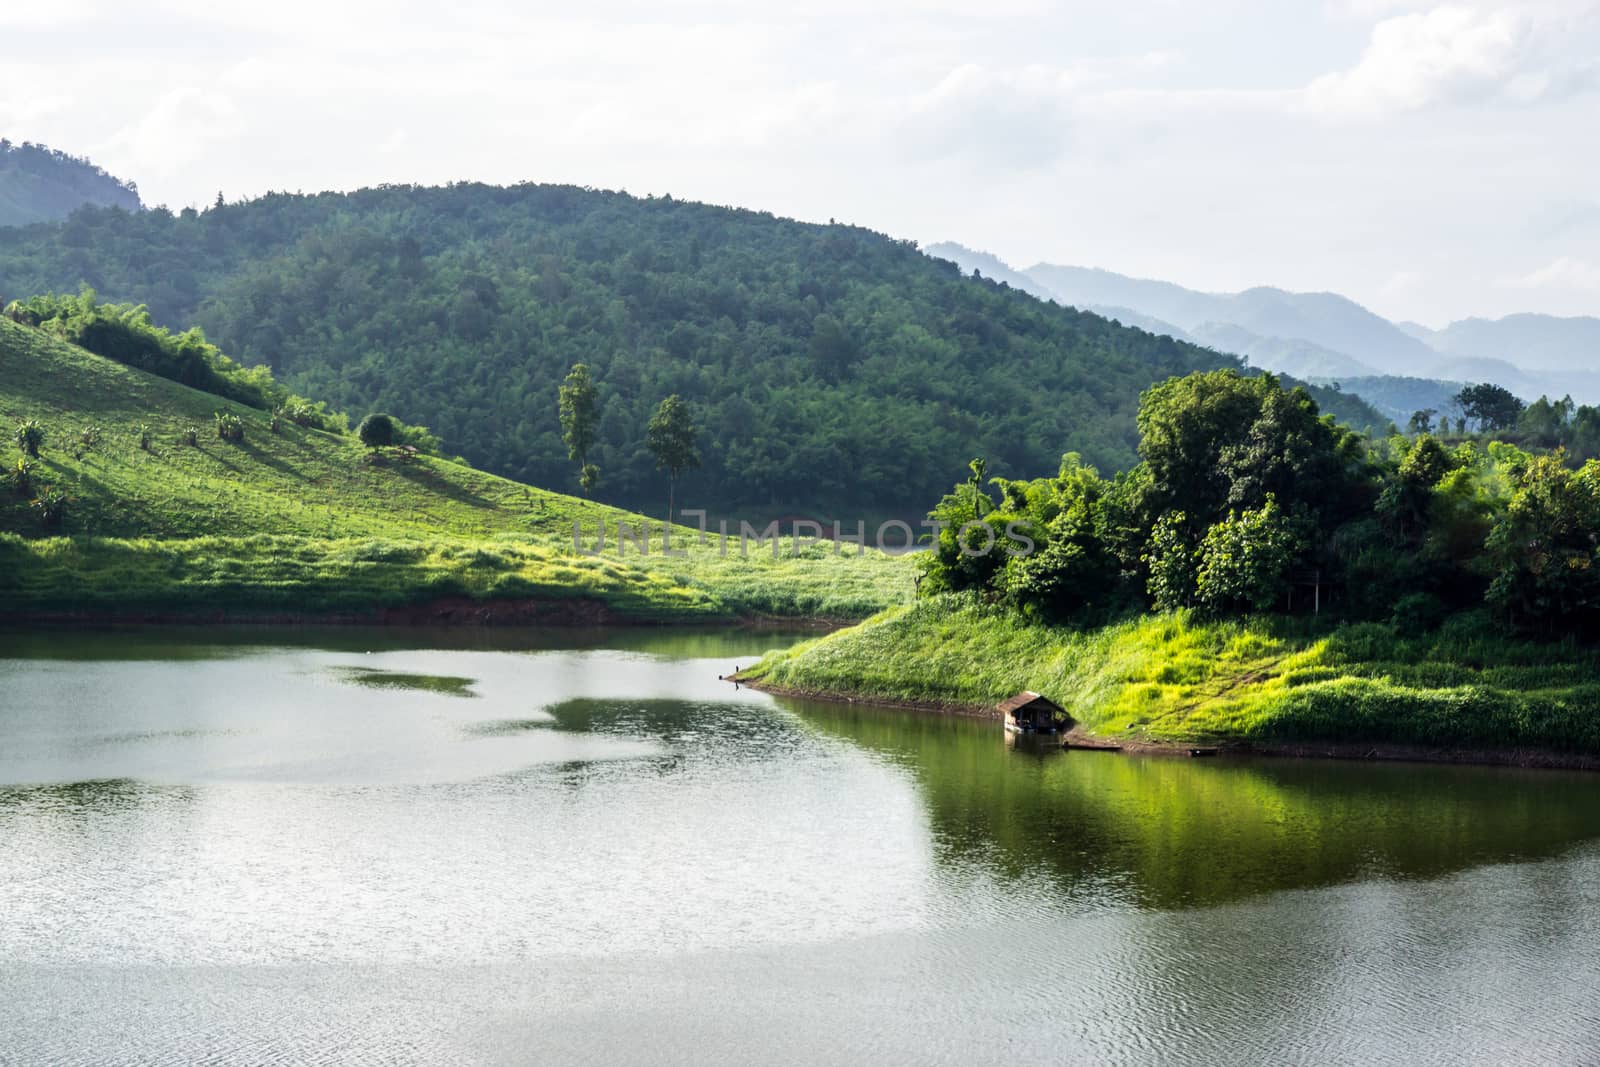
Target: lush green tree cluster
831, 368
125, 333
1247, 494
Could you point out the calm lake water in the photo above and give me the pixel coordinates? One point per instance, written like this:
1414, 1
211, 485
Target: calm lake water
512, 847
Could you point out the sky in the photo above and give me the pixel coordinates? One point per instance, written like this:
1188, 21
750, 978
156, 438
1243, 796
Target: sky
1433, 161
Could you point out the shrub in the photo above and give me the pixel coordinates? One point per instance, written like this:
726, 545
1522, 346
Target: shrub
21, 477
191, 436
376, 431
50, 505
142, 432
230, 427
1416, 614
29, 436
90, 436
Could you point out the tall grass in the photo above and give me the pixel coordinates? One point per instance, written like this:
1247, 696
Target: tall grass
1176, 678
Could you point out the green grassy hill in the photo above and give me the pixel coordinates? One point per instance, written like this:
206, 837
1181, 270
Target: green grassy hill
306, 521
835, 370
1181, 679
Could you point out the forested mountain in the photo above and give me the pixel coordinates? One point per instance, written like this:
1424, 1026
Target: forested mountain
830, 368
39, 184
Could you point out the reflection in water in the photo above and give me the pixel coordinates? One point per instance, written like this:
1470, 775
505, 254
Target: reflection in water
1163, 832
249, 853
373, 678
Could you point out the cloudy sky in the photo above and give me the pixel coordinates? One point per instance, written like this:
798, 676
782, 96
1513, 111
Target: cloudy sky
1432, 161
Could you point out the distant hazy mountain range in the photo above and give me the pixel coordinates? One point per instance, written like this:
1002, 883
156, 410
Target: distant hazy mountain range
39, 184
1324, 336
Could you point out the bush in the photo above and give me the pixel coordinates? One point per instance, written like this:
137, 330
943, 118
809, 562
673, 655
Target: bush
21, 477
29, 436
51, 506
142, 432
90, 436
1416, 614
230, 427
376, 431
191, 437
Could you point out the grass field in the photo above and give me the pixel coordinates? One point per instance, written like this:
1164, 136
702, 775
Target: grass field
299, 519
1175, 678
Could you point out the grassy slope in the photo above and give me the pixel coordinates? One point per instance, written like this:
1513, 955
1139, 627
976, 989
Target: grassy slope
301, 519
1174, 678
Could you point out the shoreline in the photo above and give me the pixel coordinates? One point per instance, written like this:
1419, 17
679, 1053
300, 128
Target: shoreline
446, 611
1354, 751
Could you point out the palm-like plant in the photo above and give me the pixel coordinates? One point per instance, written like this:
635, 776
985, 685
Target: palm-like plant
29, 436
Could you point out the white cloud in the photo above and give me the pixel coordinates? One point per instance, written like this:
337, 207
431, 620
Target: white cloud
1447, 54
178, 130
1464, 53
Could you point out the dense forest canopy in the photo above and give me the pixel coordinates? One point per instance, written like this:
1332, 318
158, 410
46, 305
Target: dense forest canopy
39, 184
1247, 495
828, 367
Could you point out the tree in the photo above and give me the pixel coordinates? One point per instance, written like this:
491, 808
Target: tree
1220, 441
671, 439
1245, 559
1546, 548
1422, 421
577, 405
377, 431
1495, 407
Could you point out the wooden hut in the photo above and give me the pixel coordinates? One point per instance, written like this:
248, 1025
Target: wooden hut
1030, 713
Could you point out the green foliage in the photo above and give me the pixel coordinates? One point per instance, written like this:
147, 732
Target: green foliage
672, 440
29, 436
321, 532
91, 436
1545, 548
1421, 422
230, 427
144, 436
841, 370
190, 435
376, 431
1173, 561
1219, 441
20, 477
1244, 561
50, 506
1493, 407
125, 333
579, 422
1178, 678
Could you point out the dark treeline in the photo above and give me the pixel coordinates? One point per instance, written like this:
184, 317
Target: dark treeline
1545, 423
829, 367
1247, 499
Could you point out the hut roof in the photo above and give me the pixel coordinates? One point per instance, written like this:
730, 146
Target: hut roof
1024, 699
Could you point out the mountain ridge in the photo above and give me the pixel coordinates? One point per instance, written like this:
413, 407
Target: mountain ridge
1324, 335
40, 184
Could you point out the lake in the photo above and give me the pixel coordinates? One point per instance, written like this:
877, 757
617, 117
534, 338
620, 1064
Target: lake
353, 846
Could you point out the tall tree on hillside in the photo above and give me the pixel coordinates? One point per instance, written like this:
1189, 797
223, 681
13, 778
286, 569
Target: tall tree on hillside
1495, 407
579, 418
671, 438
